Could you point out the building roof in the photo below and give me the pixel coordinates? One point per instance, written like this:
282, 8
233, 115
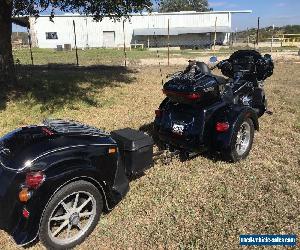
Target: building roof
158, 13
180, 31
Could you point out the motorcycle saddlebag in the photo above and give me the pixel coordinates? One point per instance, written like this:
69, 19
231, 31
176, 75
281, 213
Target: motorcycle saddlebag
136, 150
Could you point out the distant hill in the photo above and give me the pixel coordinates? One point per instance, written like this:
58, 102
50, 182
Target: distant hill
265, 33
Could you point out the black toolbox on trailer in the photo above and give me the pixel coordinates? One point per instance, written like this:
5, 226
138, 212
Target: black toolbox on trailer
136, 149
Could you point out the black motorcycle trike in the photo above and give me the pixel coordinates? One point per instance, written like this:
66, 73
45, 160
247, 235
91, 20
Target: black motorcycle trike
203, 111
56, 178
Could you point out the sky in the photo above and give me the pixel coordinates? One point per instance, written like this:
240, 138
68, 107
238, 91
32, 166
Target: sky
277, 12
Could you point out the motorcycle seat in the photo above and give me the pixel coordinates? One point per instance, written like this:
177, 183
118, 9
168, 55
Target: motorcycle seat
204, 69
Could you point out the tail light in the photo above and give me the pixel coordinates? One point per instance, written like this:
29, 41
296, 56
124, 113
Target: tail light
222, 126
25, 195
47, 131
25, 213
34, 179
112, 150
189, 96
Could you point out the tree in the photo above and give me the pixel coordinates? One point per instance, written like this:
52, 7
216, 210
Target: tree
183, 5
13, 8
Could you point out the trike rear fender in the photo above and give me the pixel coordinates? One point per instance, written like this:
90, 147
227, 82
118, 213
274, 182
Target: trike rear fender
233, 115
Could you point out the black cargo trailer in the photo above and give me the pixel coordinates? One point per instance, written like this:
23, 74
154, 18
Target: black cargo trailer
60, 171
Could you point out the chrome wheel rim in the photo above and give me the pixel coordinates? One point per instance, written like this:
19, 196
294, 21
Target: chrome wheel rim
243, 139
72, 217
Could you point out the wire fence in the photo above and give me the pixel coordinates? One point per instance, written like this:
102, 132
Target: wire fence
157, 46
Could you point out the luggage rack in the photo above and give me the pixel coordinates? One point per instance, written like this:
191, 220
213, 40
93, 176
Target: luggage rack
72, 128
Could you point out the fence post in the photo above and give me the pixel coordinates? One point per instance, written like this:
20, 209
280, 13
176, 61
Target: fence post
125, 54
76, 49
30, 46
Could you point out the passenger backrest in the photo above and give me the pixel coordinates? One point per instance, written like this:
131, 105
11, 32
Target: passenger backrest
203, 68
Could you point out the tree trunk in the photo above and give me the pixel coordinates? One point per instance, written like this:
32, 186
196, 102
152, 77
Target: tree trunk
7, 70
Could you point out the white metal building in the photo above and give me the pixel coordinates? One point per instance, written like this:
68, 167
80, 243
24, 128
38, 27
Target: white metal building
187, 29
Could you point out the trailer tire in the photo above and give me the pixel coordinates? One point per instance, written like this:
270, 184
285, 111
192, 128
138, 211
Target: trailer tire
72, 205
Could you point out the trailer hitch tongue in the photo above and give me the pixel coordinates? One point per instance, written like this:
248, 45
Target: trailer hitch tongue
165, 156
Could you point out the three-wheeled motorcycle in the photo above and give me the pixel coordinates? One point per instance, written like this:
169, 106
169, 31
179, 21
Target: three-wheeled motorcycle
203, 111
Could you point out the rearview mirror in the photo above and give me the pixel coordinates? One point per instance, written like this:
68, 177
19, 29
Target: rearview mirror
213, 59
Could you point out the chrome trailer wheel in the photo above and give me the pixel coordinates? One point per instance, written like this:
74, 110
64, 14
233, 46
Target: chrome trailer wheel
71, 215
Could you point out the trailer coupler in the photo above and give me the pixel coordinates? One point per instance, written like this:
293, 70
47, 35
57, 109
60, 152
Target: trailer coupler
166, 156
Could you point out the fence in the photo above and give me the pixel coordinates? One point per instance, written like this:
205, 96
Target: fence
169, 43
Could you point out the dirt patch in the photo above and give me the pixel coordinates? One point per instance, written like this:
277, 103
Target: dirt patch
277, 57
175, 61
286, 56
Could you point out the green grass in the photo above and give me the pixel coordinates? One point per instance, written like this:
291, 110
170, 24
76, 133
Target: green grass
89, 57
113, 56
86, 57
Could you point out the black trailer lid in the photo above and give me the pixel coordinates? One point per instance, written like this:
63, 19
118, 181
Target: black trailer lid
131, 140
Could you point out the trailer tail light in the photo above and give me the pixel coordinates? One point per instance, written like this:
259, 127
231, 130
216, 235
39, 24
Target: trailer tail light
24, 195
222, 126
25, 213
158, 113
112, 150
189, 96
47, 131
34, 179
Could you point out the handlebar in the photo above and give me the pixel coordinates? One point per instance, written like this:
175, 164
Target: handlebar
214, 67
218, 65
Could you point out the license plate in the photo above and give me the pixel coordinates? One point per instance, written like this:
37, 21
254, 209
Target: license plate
178, 129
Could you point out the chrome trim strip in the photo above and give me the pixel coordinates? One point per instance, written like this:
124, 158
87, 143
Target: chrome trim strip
4, 166
64, 148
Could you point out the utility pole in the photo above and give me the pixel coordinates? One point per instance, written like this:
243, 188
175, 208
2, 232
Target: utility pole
257, 32
272, 40
215, 38
168, 42
87, 33
248, 38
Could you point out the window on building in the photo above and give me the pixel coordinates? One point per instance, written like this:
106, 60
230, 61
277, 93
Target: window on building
51, 35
